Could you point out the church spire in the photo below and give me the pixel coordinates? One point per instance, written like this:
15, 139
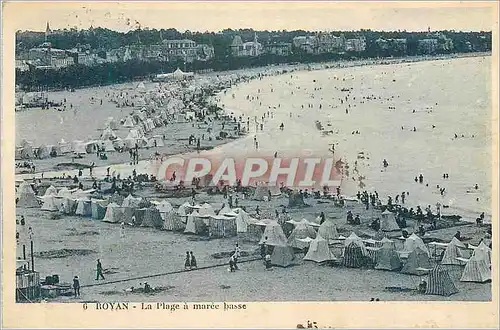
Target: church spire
47, 31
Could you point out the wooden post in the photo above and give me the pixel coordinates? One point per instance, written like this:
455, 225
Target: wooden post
24, 251
32, 257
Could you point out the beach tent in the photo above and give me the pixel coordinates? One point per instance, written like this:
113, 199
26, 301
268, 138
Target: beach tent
388, 221
195, 224
353, 255
273, 235
328, 230
477, 269
164, 206
243, 219
49, 203
184, 209
65, 147
262, 192
141, 85
439, 282
98, 207
129, 122
64, 192
125, 214
152, 218
387, 258
79, 147
282, 256
172, 221
412, 242
67, 205
418, 263
452, 252
131, 201
27, 152
83, 207
26, 196
221, 226
483, 252
206, 210
302, 230
51, 191
353, 238
319, 251
138, 216
108, 134
112, 213
43, 152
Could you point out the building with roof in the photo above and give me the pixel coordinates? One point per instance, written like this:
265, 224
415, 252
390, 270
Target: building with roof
183, 49
242, 49
278, 48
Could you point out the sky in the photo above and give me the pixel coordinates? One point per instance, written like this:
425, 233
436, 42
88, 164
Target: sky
215, 16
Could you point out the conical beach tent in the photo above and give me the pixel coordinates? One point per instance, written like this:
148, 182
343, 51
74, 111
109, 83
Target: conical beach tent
243, 219
26, 196
477, 269
302, 230
51, 191
319, 251
328, 230
353, 256
83, 207
388, 221
353, 238
418, 263
412, 242
483, 252
49, 203
452, 252
388, 258
282, 256
439, 282
273, 235
112, 213
195, 224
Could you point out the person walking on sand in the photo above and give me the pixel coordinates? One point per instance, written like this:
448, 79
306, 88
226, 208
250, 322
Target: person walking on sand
122, 229
187, 262
76, 286
237, 252
193, 263
99, 270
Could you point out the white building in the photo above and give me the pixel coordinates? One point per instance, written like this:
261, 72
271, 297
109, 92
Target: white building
250, 48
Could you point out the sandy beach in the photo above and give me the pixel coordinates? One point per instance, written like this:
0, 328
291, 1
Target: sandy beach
383, 102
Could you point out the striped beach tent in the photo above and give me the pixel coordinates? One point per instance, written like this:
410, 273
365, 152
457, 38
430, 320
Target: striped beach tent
477, 269
353, 256
152, 218
26, 196
439, 282
138, 216
172, 221
452, 252
98, 209
221, 226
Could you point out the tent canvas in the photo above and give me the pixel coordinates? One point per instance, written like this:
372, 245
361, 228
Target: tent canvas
51, 191
440, 283
412, 242
112, 213
477, 269
353, 238
129, 122
243, 219
221, 226
163, 206
83, 208
388, 221
302, 230
172, 221
387, 258
483, 252
195, 224
26, 196
152, 218
353, 256
98, 209
67, 205
49, 203
319, 251
282, 256
452, 252
328, 230
273, 235
417, 260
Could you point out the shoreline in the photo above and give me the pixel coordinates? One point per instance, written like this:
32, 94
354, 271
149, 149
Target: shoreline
145, 164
